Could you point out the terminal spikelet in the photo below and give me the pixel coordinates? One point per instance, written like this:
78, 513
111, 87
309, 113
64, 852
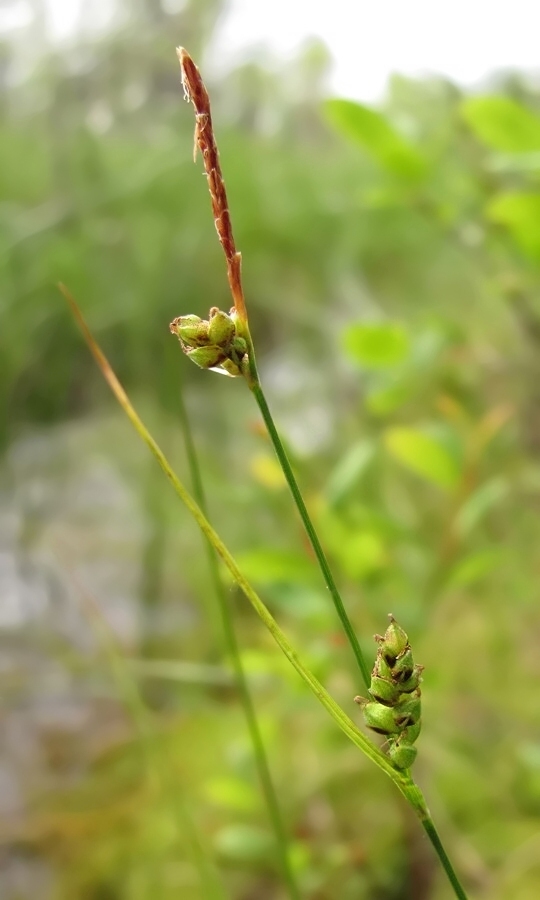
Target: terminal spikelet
394, 707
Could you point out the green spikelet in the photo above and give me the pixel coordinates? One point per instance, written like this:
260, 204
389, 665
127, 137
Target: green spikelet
394, 707
213, 343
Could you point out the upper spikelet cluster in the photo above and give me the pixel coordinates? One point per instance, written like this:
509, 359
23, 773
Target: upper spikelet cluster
212, 343
393, 707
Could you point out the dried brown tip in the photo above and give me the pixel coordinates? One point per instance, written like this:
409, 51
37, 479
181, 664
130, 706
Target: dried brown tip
192, 82
195, 91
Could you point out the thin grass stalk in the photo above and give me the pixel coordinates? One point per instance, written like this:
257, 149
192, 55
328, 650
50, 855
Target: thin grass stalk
195, 91
402, 779
233, 651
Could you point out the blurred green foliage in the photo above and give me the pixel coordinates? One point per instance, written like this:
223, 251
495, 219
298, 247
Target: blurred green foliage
391, 265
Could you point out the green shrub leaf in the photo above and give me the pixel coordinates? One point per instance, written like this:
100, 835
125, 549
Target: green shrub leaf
377, 344
502, 124
375, 134
520, 213
424, 455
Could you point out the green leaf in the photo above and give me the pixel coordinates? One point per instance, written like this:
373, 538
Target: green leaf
502, 124
520, 213
372, 131
424, 455
377, 345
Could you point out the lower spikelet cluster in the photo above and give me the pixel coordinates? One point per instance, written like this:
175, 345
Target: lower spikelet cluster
393, 707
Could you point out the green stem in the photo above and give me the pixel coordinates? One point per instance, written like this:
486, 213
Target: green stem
231, 644
257, 391
433, 835
414, 796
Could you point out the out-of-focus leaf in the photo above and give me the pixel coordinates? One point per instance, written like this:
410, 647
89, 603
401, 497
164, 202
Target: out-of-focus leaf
520, 213
362, 554
267, 471
424, 455
244, 843
479, 503
374, 133
348, 471
377, 344
180, 670
298, 601
232, 793
268, 565
385, 400
502, 124
474, 567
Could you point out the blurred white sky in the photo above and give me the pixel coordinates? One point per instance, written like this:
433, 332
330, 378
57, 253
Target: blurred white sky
368, 39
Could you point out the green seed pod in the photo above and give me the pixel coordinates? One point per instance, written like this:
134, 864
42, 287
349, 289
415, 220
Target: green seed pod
381, 718
384, 691
238, 348
408, 712
394, 642
381, 668
207, 357
403, 667
411, 733
402, 755
230, 368
413, 682
191, 330
221, 328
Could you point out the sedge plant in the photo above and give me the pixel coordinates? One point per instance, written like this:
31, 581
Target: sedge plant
223, 343
401, 777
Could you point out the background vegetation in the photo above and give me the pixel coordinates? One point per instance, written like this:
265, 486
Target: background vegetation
391, 265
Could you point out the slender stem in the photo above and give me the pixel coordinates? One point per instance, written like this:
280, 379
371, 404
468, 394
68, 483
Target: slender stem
433, 835
258, 393
231, 644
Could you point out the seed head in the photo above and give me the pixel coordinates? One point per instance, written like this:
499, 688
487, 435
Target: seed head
394, 708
